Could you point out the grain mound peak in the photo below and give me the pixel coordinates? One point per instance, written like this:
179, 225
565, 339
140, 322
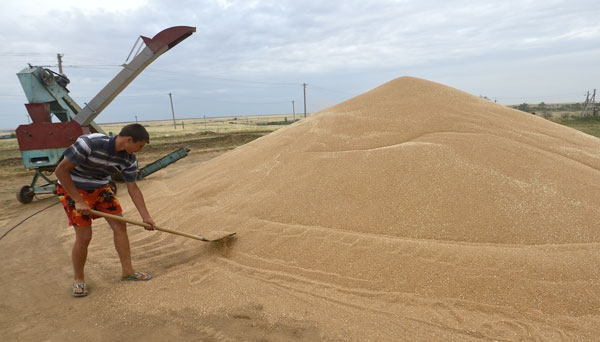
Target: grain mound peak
416, 159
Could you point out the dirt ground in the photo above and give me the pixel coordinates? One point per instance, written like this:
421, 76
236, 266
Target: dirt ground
413, 212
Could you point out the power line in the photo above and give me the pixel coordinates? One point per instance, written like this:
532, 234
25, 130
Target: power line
27, 218
92, 66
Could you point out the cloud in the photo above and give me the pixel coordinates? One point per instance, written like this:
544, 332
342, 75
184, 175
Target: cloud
43, 7
248, 52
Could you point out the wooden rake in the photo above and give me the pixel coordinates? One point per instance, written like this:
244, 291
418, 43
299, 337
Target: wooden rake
216, 236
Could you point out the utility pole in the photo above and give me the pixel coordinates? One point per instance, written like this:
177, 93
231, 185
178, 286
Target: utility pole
59, 56
589, 103
294, 110
304, 85
172, 111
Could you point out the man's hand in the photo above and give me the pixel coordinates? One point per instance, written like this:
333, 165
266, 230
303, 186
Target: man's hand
63, 173
149, 221
82, 207
138, 199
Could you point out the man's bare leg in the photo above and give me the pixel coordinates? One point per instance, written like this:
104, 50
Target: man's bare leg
83, 236
121, 241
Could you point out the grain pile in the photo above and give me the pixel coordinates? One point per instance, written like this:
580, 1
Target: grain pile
412, 212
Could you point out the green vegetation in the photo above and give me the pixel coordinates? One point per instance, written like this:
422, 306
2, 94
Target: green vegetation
587, 124
568, 114
552, 111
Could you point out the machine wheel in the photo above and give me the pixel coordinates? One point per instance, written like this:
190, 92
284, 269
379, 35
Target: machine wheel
25, 195
47, 77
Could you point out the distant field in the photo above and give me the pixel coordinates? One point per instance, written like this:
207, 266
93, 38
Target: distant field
183, 130
215, 125
589, 125
568, 114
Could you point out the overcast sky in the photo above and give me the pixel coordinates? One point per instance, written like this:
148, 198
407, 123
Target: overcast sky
253, 57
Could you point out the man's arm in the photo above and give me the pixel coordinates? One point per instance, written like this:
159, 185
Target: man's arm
63, 173
138, 199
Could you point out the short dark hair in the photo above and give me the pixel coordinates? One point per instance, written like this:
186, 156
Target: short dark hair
136, 131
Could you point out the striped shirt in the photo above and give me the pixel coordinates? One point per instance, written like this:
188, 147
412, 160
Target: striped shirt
96, 160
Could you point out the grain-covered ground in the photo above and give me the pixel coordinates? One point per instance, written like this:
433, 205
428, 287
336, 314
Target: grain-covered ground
413, 212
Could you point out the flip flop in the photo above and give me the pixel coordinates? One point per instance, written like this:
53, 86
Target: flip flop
137, 276
79, 290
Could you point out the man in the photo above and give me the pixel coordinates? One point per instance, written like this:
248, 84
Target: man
83, 176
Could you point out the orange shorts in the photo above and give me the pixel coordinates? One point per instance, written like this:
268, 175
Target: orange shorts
101, 199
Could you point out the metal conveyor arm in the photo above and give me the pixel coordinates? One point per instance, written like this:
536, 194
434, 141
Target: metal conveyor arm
155, 47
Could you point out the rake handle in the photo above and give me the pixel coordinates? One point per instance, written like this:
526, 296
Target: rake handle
146, 225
